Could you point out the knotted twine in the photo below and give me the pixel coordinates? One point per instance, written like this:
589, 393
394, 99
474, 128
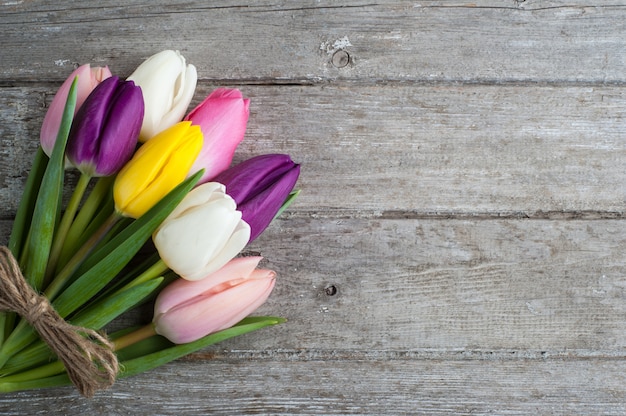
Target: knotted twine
87, 355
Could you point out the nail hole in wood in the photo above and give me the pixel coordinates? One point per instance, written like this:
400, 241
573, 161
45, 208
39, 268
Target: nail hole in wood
330, 290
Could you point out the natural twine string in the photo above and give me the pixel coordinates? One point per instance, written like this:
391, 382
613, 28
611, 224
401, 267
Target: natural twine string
87, 355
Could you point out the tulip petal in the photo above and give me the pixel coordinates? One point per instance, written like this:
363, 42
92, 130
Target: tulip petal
252, 176
83, 141
202, 234
88, 79
260, 186
119, 138
223, 116
212, 313
104, 133
157, 167
182, 290
168, 85
193, 254
181, 99
260, 211
200, 195
237, 241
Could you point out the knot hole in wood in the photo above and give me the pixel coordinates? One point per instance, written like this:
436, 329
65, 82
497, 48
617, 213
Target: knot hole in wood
340, 59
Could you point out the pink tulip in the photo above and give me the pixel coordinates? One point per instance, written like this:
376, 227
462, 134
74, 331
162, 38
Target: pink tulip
189, 310
88, 80
222, 116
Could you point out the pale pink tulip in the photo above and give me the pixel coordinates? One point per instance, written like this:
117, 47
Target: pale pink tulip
186, 311
88, 80
222, 116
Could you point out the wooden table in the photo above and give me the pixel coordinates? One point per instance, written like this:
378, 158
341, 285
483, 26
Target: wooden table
459, 243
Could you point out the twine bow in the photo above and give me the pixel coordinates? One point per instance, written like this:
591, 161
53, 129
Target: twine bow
87, 355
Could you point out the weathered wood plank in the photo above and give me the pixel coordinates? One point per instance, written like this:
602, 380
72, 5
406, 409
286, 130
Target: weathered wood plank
380, 150
329, 387
487, 41
404, 285
446, 284
419, 126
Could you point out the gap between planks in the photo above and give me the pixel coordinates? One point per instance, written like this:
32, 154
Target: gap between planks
300, 355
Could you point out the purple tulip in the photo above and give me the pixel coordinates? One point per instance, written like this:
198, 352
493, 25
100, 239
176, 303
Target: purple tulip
104, 133
259, 186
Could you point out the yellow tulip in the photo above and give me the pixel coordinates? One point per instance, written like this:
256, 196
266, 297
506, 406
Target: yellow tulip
157, 167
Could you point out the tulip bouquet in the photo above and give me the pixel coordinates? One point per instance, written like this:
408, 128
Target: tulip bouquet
156, 215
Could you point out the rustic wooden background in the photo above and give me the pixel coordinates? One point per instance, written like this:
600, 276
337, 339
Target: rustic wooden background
459, 244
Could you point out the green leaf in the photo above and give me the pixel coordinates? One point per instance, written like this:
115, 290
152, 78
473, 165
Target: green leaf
55, 381
101, 313
24, 214
46, 207
288, 201
36, 354
165, 352
123, 278
144, 347
98, 207
114, 255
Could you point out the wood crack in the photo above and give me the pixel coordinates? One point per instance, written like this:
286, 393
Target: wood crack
455, 215
301, 355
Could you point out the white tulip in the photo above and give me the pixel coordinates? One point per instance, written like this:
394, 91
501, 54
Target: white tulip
203, 233
168, 85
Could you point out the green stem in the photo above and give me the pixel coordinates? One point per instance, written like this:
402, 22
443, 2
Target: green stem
134, 337
57, 367
56, 381
51, 369
25, 252
84, 217
3, 325
154, 271
22, 335
64, 275
64, 225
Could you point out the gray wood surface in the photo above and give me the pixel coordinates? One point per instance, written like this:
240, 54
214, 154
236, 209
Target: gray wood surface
463, 184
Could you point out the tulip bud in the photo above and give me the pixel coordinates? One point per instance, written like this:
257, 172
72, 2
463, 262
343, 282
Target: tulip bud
105, 129
222, 116
202, 233
168, 85
259, 186
157, 168
88, 79
186, 311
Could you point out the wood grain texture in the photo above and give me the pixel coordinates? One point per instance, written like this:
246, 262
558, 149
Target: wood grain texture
416, 150
458, 247
415, 284
483, 41
356, 387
